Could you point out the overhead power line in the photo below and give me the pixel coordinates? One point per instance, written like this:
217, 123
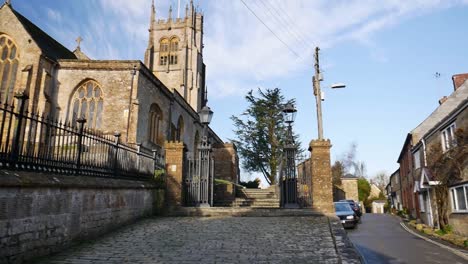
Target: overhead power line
283, 23
291, 21
272, 32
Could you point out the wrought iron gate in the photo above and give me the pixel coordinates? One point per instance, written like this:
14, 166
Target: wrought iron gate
288, 179
304, 184
198, 189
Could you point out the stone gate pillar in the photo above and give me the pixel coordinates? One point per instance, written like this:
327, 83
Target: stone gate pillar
175, 155
322, 184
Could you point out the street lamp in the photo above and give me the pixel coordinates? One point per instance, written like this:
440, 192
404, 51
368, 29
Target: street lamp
288, 181
203, 182
289, 113
205, 118
205, 115
316, 79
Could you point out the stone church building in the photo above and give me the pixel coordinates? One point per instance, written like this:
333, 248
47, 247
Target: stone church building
148, 103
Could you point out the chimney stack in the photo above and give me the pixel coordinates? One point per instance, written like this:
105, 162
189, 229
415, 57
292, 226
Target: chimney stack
459, 79
442, 100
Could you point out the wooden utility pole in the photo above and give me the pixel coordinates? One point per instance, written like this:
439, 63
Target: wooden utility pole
318, 93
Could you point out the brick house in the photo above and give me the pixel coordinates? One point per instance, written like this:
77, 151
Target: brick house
417, 180
394, 190
407, 179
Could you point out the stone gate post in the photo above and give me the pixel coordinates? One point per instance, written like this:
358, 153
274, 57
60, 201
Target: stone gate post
322, 184
175, 155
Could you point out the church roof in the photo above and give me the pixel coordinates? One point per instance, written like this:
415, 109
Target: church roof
49, 46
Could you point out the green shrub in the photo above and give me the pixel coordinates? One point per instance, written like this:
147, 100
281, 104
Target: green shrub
448, 229
440, 232
465, 243
159, 178
251, 184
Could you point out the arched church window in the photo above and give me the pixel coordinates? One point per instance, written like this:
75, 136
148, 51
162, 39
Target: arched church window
173, 51
163, 51
180, 129
9, 60
155, 122
87, 102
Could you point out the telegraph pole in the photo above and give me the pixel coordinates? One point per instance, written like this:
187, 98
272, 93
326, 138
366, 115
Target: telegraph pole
317, 92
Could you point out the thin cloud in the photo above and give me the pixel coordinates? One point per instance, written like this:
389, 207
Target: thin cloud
239, 50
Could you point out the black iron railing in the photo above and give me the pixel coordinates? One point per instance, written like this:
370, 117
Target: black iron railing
29, 141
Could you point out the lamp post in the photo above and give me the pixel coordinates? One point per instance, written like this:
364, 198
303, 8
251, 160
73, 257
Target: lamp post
204, 177
316, 79
205, 119
289, 196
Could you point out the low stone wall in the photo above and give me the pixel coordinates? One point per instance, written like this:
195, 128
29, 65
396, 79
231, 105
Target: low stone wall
41, 214
459, 222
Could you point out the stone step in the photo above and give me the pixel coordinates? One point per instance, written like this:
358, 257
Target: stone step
242, 212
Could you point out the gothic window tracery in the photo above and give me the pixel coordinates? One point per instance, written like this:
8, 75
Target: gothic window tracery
173, 51
87, 102
9, 60
155, 122
163, 51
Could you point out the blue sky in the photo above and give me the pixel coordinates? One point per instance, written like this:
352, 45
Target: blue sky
386, 51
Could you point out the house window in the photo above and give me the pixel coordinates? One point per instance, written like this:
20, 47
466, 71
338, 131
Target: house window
422, 202
448, 137
9, 60
87, 102
459, 195
417, 159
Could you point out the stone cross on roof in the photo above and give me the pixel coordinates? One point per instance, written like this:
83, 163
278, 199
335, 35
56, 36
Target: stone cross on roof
8, 2
78, 40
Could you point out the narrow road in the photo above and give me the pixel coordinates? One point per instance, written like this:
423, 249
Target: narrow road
381, 239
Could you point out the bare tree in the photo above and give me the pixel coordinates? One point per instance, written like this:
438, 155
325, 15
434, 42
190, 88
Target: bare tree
446, 168
380, 180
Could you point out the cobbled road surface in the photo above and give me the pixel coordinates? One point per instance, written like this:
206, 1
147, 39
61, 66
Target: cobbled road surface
210, 240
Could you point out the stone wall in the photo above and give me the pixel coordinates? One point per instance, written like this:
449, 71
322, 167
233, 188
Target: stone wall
322, 185
338, 193
41, 214
226, 167
459, 222
350, 186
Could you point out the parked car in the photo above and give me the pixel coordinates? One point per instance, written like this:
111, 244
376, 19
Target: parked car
355, 206
347, 216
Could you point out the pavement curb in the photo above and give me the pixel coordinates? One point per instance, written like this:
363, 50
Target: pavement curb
345, 249
454, 251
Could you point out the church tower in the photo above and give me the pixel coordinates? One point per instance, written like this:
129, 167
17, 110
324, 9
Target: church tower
175, 54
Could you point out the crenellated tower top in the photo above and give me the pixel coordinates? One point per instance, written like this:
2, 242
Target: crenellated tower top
175, 53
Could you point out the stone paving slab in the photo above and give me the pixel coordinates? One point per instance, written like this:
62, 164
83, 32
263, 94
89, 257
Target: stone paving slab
305, 239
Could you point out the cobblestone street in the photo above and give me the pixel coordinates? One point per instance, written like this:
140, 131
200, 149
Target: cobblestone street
211, 240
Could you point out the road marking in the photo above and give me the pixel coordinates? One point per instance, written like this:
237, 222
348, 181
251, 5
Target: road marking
454, 251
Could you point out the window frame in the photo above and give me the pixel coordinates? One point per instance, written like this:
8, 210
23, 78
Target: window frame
454, 200
417, 159
8, 75
447, 132
77, 101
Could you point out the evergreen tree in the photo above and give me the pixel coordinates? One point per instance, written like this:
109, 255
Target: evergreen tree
261, 132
